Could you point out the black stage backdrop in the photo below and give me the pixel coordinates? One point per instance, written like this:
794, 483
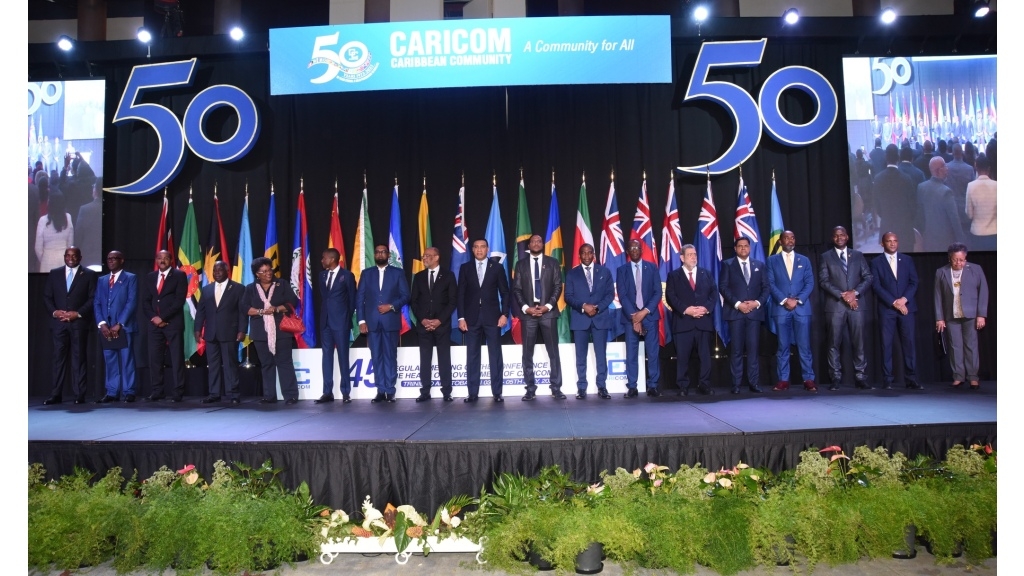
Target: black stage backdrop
478, 134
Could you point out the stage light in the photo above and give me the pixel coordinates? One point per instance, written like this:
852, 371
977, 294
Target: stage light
792, 16
980, 8
888, 16
700, 13
65, 43
143, 35
237, 34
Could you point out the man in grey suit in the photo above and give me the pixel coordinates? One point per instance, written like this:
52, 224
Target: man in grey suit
844, 276
537, 286
938, 220
961, 306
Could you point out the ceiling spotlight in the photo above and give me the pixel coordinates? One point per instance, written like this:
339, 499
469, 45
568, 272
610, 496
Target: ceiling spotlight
237, 34
980, 8
700, 13
65, 43
792, 16
888, 16
143, 35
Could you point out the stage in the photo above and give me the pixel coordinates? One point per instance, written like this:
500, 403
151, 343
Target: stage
422, 453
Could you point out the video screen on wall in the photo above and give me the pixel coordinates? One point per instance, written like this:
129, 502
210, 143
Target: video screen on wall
925, 108
64, 169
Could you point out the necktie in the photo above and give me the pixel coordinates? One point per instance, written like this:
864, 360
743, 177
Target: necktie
430, 284
218, 292
69, 279
746, 273
892, 264
590, 279
111, 283
330, 279
536, 279
842, 260
480, 272
693, 283
788, 257
160, 283
639, 294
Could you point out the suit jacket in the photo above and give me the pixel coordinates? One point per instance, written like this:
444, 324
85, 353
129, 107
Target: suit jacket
913, 172
877, 157
79, 298
735, 289
940, 221
88, 232
339, 302
834, 281
370, 294
117, 305
550, 285
251, 299
973, 292
436, 304
888, 288
169, 302
681, 296
222, 323
782, 286
894, 194
650, 291
482, 305
577, 293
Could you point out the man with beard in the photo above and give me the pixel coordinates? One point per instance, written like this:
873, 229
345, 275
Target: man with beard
537, 286
382, 293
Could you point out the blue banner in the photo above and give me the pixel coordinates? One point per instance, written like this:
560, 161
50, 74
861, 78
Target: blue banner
486, 52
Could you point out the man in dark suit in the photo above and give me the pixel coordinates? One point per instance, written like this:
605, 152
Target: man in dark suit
907, 167
382, 293
434, 299
744, 288
639, 286
88, 231
791, 281
894, 279
895, 196
163, 302
221, 322
114, 308
68, 295
844, 276
337, 303
537, 286
877, 158
961, 306
589, 291
921, 162
483, 311
691, 292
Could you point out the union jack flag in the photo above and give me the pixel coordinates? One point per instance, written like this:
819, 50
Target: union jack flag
671, 246
709, 254
746, 223
642, 228
460, 239
613, 254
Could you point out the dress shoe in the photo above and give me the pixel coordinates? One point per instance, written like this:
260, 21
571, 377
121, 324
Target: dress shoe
863, 385
735, 390
887, 386
914, 385
268, 400
291, 401
653, 392
603, 394
423, 398
529, 396
975, 384
499, 399
380, 397
389, 398
470, 399
705, 391
80, 400
210, 400
175, 399
631, 393
755, 388
52, 400
557, 395
809, 386
127, 399
958, 383
833, 386
782, 385
106, 400
448, 398
154, 397
236, 401
345, 399
324, 399
581, 395
684, 391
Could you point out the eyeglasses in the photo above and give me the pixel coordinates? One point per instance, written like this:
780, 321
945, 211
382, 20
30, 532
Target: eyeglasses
381, 252
264, 271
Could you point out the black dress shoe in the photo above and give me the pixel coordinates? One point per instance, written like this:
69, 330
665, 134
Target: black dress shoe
684, 392
469, 399
887, 386
448, 398
603, 394
175, 399
380, 397
106, 400
833, 386
324, 399
291, 401
389, 398
52, 400
422, 398
499, 399
558, 395
346, 400
631, 393
154, 397
863, 385
529, 396
914, 385
755, 389
735, 390
236, 401
653, 392
268, 400
210, 400
127, 399
581, 395
705, 391
80, 400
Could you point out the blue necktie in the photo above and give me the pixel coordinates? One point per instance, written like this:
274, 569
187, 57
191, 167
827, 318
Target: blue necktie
69, 279
536, 279
842, 260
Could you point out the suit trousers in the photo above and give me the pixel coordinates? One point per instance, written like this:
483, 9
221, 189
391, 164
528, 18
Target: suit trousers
281, 362
581, 338
548, 328
160, 340
442, 340
961, 338
383, 346
685, 342
794, 329
744, 338
893, 323
651, 348
331, 340
222, 358
475, 337
69, 343
837, 321
120, 368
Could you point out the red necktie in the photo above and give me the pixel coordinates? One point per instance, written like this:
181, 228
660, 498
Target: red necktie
693, 284
111, 285
160, 284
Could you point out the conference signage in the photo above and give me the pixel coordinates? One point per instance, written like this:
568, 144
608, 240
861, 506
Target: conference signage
459, 53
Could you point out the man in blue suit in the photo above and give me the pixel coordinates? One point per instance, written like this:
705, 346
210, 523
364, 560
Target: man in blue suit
639, 286
383, 291
483, 306
589, 292
844, 277
114, 308
894, 278
337, 302
745, 290
691, 292
791, 281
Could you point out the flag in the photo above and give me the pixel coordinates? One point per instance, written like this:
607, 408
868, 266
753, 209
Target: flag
991, 103
362, 252
612, 253
553, 247
395, 248
460, 254
774, 247
271, 249
583, 233
643, 229
746, 223
523, 233
335, 239
495, 236
190, 258
216, 247
892, 120
300, 277
423, 218
671, 246
164, 235
709, 254
242, 272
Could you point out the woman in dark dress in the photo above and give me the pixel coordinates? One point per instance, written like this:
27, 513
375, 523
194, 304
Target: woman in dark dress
266, 299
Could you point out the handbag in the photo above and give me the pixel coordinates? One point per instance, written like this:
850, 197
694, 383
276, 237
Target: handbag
292, 323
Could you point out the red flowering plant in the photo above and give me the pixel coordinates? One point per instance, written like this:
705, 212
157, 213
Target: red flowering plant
844, 471
739, 481
989, 454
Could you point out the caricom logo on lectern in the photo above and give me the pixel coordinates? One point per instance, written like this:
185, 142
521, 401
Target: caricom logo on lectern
352, 63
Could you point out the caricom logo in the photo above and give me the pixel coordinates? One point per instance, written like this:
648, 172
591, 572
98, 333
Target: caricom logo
351, 63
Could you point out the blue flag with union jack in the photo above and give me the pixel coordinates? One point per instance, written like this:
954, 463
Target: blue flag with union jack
460, 254
746, 223
708, 242
671, 246
643, 230
613, 254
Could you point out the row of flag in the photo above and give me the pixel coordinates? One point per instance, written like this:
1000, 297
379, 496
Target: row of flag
927, 110
198, 265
